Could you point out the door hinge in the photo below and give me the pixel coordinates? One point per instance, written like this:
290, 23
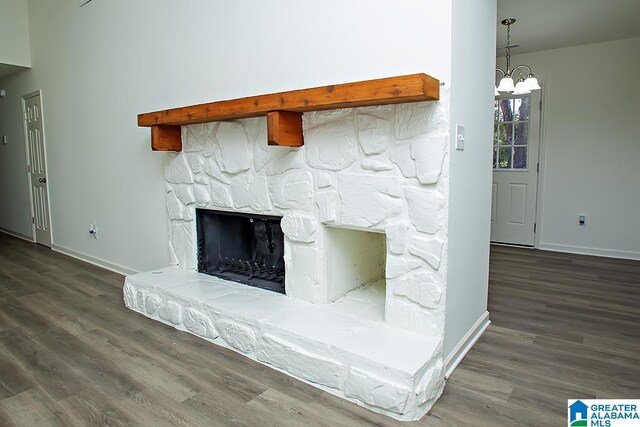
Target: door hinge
33, 220
540, 105
538, 167
534, 227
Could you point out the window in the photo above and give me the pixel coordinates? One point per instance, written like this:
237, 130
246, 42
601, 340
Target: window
511, 132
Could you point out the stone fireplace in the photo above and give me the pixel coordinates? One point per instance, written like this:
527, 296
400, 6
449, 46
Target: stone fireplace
362, 208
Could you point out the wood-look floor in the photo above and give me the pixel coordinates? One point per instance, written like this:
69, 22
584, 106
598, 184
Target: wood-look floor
564, 326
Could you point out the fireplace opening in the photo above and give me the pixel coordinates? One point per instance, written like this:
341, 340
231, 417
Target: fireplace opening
244, 248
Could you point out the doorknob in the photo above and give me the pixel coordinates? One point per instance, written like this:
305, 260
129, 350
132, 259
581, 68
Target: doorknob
42, 180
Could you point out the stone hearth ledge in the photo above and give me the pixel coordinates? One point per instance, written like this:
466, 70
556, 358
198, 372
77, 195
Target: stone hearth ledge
387, 369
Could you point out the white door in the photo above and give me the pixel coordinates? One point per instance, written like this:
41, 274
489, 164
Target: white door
515, 169
37, 169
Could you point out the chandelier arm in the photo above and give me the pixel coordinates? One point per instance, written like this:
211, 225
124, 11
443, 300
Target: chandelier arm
522, 66
503, 73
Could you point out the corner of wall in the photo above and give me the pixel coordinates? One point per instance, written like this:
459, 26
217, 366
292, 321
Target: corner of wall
473, 64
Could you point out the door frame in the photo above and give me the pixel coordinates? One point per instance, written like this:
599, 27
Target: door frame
541, 162
540, 174
46, 163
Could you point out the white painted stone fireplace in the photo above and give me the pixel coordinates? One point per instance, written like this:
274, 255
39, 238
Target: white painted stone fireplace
364, 207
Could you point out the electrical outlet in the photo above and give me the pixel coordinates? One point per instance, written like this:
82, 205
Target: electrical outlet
93, 231
4, 139
582, 220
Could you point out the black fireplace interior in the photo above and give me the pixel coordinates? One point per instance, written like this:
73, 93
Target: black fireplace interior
244, 248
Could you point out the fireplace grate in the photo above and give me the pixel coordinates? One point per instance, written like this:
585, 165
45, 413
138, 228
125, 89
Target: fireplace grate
252, 270
253, 273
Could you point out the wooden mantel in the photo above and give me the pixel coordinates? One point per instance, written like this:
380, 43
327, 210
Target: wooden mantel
284, 110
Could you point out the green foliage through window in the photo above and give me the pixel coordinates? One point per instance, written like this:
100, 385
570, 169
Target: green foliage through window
511, 132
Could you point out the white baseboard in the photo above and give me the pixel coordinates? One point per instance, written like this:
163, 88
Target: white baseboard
17, 235
589, 251
116, 268
510, 245
462, 348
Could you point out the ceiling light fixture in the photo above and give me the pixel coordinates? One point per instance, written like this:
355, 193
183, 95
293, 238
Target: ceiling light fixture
523, 85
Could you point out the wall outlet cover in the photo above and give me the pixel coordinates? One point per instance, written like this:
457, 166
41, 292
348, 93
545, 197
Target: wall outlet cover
459, 137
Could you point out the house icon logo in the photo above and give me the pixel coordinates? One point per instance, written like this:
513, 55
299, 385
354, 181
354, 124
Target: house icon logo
578, 414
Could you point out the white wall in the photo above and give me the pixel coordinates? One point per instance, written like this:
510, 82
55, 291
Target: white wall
101, 64
14, 33
473, 64
15, 56
591, 147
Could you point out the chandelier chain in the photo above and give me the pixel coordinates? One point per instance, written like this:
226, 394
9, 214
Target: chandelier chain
508, 48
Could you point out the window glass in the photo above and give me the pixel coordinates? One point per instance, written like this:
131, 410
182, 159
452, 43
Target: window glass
504, 157
511, 132
521, 133
519, 157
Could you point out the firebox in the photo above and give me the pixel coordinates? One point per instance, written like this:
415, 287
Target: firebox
244, 248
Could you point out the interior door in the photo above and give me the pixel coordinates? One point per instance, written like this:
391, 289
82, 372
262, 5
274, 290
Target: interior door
515, 169
37, 169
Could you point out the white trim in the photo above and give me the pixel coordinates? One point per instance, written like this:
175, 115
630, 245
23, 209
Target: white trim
17, 235
511, 245
99, 262
461, 349
609, 253
542, 161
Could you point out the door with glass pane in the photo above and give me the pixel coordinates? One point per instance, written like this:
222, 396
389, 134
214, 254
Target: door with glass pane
515, 168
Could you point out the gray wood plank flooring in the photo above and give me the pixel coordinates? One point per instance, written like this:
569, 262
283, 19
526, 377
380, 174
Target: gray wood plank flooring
564, 326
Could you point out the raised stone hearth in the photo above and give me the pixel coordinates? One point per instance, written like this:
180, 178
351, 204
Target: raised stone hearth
364, 207
349, 352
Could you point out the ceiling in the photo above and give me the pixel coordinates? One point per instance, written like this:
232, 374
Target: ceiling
550, 24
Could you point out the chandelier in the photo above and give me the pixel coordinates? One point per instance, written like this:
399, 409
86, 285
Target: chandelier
524, 85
